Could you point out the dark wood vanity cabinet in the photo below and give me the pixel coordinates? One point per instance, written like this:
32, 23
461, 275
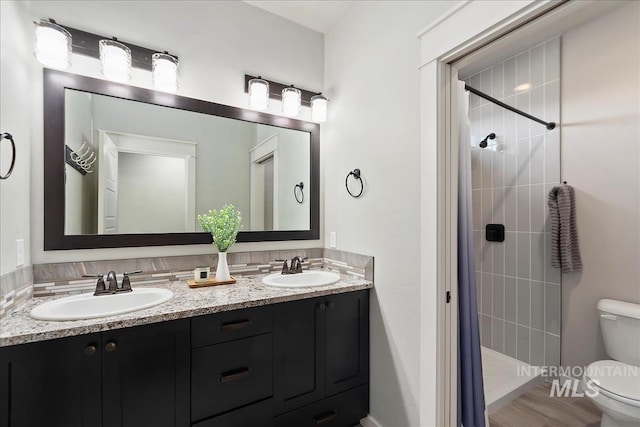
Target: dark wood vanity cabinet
321, 357
121, 378
295, 364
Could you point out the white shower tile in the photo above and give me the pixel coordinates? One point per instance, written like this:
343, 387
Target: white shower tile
498, 83
537, 305
552, 60
538, 211
510, 299
537, 66
475, 119
476, 169
486, 83
551, 274
474, 82
478, 277
537, 160
497, 170
551, 350
497, 340
487, 121
511, 254
524, 255
537, 348
523, 344
524, 161
524, 301
477, 249
510, 209
486, 170
524, 222
552, 157
476, 206
509, 77
522, 69
498, 205
552, 101
498, 258
510, 339
485, 331
547, 221
487, 208
552, 308
536, 105
487, 294
537, 256
498, 297
486, 256
510, 163
522, 123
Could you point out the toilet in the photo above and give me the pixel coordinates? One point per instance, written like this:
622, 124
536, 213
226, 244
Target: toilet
614, 385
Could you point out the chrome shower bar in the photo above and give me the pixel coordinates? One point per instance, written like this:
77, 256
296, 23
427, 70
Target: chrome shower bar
548, 125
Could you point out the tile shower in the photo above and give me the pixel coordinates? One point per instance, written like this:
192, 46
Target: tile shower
518, 291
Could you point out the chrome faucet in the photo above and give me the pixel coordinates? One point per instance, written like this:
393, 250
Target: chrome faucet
296, 265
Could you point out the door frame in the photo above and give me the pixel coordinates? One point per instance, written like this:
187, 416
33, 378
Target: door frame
264, 150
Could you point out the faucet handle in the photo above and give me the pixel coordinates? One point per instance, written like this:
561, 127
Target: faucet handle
101, 288
126, 282
93, 275
285, 266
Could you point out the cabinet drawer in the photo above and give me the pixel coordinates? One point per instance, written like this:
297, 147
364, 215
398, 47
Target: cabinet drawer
229, 375
342, 410
231, 325
256, 415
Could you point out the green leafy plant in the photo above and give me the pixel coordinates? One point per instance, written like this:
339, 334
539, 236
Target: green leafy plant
223, 225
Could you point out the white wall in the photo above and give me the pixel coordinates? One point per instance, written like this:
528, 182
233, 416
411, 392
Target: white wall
601, 160
15, 69
371, 74
217, 42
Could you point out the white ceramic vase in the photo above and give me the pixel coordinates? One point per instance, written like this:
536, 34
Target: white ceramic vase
222, 271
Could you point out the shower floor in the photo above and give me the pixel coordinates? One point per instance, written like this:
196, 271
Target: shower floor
505, 378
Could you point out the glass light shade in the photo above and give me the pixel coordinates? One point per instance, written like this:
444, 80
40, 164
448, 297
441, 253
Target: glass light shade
116, 60
291, 98
53, 45
165, 71
258, 94
319, 108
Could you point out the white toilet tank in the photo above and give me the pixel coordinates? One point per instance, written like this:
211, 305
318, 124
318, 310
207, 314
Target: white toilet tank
620, 323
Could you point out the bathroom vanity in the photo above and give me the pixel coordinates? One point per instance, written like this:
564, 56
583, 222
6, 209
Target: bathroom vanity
291, 358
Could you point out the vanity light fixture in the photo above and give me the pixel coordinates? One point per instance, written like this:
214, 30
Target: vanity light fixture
115, 59
258, 94
165, 71
291, 101
319, 108
53, 44
260, 90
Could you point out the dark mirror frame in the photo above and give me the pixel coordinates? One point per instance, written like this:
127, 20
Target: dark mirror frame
55, 83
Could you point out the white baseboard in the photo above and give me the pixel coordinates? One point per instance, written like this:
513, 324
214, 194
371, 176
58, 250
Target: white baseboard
370, 422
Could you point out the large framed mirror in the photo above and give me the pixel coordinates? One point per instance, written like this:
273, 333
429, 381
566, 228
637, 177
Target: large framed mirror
126, 166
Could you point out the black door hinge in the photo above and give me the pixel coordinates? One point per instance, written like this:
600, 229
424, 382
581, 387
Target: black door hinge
448, 297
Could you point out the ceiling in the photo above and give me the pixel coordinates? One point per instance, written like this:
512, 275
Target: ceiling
317, 15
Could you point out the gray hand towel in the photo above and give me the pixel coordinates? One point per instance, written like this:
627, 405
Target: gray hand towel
565, 252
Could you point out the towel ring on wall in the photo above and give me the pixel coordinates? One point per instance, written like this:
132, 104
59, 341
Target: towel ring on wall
295, 192
356, 174
13, 154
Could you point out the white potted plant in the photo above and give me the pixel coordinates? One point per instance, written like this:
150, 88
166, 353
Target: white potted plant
223, 225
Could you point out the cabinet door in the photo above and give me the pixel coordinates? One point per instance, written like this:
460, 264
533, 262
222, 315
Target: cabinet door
145, 373
298, 353
347, 341
51, 383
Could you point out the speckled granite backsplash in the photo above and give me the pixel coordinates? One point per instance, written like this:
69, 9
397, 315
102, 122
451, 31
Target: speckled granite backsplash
66, 278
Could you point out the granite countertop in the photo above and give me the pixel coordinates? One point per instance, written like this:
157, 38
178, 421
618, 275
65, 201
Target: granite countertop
19, 328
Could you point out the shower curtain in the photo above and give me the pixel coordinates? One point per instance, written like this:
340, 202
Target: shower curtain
471, 406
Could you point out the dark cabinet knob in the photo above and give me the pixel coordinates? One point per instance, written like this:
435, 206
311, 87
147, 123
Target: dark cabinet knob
110, 346
322, 306
331, 304
90, 350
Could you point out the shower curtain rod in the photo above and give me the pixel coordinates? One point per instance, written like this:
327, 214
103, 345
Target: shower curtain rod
548, 125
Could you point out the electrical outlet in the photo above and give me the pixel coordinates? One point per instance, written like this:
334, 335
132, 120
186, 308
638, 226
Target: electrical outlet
19, 252
333, 240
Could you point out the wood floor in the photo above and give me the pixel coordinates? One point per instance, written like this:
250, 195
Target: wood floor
537, 409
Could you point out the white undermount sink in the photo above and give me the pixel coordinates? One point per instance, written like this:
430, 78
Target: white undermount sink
306, 279
88, 306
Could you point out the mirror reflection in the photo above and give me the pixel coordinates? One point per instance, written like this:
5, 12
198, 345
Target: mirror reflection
133, 167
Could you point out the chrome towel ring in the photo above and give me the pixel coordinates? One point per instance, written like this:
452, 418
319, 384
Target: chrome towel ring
13, 155
356, 175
